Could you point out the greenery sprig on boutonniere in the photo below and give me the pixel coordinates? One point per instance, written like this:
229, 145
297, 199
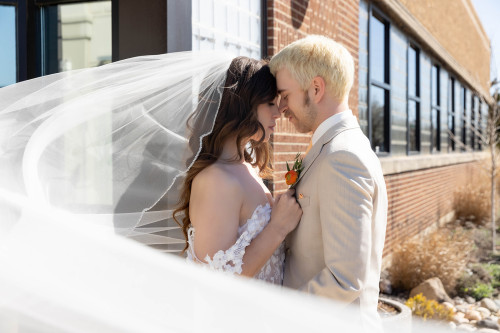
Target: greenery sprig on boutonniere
293, 174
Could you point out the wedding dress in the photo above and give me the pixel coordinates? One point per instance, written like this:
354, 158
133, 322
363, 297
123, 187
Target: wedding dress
231, 260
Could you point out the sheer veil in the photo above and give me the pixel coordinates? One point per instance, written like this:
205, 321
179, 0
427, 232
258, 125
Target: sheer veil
90, 167
112, 143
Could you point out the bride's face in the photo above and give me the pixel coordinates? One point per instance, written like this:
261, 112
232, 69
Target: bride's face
267, 113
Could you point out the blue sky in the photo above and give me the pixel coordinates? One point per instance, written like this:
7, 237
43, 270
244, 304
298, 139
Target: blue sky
489, 13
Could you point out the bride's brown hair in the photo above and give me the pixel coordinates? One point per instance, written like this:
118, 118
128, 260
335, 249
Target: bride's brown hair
249, 83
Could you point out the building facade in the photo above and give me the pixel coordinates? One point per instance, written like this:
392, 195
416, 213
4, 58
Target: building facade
419, 92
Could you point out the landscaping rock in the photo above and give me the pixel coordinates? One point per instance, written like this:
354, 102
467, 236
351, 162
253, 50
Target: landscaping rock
497, 302
463, 308
473, 315
470, 300
432, 289
460, 321
485, 313
449, 306
485, 323
489, 304
487, 330
458, 300
466, 327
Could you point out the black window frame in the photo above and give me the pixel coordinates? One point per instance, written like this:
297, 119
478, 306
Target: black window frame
386, 86
413, 98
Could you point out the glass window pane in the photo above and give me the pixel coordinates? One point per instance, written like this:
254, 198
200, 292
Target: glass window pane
8, 63
377, 106
76, 36
464, 115
377, 49
435, 129
473, 121
413, 126
234, 26
435, 86
412, 72
86, 34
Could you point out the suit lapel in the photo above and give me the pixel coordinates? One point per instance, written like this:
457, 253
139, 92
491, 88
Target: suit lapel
345, 124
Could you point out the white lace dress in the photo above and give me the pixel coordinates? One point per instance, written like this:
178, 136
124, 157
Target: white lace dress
231, 260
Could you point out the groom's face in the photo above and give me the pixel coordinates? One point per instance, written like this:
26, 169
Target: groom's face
294, 102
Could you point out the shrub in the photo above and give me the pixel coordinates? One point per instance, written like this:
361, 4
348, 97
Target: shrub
481, 290
428, 309
494, 270
443, 254
469, 284
473, 202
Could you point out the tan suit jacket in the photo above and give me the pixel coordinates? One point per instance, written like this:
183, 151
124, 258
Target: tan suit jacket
336, 250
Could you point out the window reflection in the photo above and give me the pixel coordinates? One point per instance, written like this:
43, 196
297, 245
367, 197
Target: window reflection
436, 111
8, 62
377, 49
435, 129
82, 37
222, 25
377, 105
412, 72
413, 128
435, 86
464, 116
451, 115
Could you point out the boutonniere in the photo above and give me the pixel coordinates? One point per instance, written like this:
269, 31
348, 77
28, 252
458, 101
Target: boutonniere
293, 174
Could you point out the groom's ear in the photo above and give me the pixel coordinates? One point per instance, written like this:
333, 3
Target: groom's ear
318, 88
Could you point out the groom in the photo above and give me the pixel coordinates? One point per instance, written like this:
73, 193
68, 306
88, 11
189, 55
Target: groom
336, 250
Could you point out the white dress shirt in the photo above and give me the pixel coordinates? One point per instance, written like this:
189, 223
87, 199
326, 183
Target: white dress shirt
329, 123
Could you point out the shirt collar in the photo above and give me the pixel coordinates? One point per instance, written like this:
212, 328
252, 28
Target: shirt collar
329, 123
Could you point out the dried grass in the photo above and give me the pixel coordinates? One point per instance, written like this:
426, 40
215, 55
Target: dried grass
443, 254
473, 201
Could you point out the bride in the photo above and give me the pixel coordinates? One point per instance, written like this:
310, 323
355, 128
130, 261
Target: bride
126, 144
227, 208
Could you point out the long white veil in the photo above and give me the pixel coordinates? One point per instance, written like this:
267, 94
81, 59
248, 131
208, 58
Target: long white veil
88, 159
112, 143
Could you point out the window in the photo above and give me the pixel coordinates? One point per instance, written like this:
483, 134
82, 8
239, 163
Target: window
76, 36
474, 124
228, 25
413, 99
378, 113
480, 125
435, 109
451, 115
463, 107
8, 62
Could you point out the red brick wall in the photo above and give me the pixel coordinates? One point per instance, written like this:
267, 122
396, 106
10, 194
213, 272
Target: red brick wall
419, 199
289, 20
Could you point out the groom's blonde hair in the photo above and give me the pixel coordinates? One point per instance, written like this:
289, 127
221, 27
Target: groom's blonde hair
317, 56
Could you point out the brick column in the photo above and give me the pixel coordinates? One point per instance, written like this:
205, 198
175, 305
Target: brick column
289, 20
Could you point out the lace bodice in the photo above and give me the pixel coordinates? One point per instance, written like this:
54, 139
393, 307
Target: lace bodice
231, 260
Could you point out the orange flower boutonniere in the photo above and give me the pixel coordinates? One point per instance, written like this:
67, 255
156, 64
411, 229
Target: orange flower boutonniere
293, 174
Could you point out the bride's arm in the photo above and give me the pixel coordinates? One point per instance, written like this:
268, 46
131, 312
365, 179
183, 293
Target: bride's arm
216, 201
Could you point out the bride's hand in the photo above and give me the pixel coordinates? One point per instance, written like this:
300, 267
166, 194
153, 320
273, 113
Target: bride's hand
286, 213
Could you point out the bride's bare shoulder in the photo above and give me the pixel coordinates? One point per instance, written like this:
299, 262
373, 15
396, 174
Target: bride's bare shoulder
218, 178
